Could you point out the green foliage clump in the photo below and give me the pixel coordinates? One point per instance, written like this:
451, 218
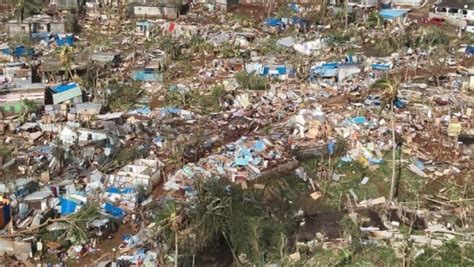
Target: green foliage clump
123, 95
170, 46
254, 222
197, 101
198, 45
251, 81
449, 254
5, 152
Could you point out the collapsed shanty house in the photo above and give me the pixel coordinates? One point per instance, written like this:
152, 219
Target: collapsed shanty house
51, 70
141, 173
17, 72
106, 58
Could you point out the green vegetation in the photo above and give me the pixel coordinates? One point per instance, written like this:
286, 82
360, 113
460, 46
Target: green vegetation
5, 152
251, 81
123, 96
196, 100
199, 45
270, 46
450, 254
253, 222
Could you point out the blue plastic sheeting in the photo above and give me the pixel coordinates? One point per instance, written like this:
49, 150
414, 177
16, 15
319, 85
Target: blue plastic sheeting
21, 51
420, 165
113, 210
6, 214
399, 103
259, 146
273, 22
67, 206
40, 36
381, 66
295, 7
326, 69
145, 76
6, 51
276, 70
392, 13
331, 145
113, 190
170, 110
375, 161
359, 120
63, 88
346, 159
144, 111
62, 41
349, 58
298, 21
470, 50
243, 157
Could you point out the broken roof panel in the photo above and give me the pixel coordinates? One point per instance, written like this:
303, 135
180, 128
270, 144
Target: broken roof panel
392, 13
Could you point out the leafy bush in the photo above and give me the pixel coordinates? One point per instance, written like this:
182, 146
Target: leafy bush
251, 81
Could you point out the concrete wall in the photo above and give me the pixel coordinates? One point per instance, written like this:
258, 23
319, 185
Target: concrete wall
411, 3
155, 12
13, 29
68, 4
58, 27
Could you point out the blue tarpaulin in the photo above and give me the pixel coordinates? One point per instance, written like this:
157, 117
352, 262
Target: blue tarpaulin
64, 40
170, 110
470, 50
67, 206
146, 76
392, 13
63, 87
273, 22
331, 144
298, 21
21, 51
113, 210
399, 103
382, 66
40, 36
6, 51
359, 120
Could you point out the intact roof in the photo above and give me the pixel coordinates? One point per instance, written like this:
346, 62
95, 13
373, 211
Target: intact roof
457, 4
63, 87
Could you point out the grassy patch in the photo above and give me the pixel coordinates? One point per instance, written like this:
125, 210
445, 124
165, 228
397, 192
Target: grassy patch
197, 101
251, 81
5, 152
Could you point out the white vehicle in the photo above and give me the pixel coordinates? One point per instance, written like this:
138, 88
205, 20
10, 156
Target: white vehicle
451, 61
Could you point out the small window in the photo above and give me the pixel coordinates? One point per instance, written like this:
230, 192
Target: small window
441, 9
464, 12
453, 10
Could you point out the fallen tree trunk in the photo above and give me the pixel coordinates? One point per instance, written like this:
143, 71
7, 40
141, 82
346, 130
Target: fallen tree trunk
278, 170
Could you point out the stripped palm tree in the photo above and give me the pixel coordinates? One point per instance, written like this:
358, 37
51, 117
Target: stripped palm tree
23, 9
388, 97
66, 57
171, 219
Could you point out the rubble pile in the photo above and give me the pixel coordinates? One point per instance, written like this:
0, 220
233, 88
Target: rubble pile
116, 120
